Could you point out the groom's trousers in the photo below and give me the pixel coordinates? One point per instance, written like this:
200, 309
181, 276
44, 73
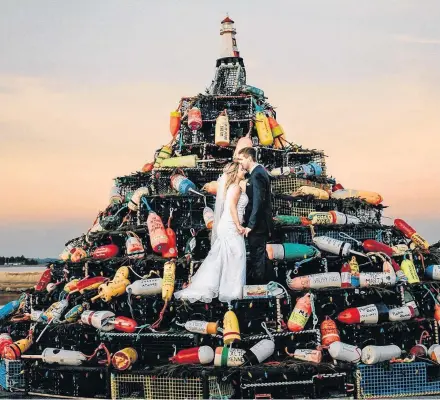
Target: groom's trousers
257, 271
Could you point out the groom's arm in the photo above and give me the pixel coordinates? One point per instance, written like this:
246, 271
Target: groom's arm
259, 193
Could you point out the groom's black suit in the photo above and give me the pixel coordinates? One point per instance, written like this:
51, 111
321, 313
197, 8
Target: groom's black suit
258, 217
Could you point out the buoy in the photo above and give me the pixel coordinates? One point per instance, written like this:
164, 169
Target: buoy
289, 251
124, 324
202, 327
135, 200
158, 235
78, 255
169, 277
231, 328
315, 281
409, 269
188, 161
134, 246
300, 314
175, 118
145, 287
411, 233
148, 167
433, 272
376, 354
229, 357
164, 153
208, 217
345, 275
74, 313
211, 187
115, 195
372, 198
52, 355
367, 279
403, 313
222, 135
98, 319
263, 129
329, 332
8, 309
5, 340
105, 252
123, 359
44, 280
171, 248
317, 193
15, 350
308, 355
370, 314
194, 119
194, 355
275, 127
260, 352
333, 246
344, 219
345, 352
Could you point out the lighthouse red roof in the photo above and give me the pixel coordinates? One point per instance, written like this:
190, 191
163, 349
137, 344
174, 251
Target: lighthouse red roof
227, 19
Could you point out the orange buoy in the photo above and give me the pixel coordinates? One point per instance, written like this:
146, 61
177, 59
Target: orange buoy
175, 118
329, 332
148, 167
275, 127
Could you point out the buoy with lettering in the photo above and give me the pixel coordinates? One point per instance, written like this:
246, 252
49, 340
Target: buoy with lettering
8, 309
433, 272
145, 287
314, 281
346, 275
345, 352
409, 269
202, 327
158, 235
229, 357
123, 359
74, 313
367, 279
411, 233
370, 314
263, 129
329, 332
333, 246
401, 313
314, 356
376, 354
175, 118
339, 218
171, 249
44, 280
194, 355
222, 136
300, 314
194, 119
231, 328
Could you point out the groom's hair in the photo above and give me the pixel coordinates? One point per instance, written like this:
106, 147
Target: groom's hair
248, 152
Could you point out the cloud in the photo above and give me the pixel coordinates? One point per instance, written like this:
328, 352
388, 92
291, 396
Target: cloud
415, 39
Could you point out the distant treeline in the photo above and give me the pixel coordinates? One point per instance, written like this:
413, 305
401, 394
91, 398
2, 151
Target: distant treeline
19, 259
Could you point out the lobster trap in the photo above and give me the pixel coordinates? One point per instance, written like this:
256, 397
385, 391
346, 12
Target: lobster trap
12, 375
147, 386
397, 380
304, 156
290, 184
82, 381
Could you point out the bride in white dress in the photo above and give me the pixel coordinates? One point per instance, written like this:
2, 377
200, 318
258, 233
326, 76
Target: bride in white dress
223, 272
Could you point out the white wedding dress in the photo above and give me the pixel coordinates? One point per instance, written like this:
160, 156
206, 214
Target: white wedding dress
223, 272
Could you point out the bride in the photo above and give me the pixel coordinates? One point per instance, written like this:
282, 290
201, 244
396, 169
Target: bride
223, 272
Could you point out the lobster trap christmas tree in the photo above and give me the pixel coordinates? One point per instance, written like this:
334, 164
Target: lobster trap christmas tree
351, 313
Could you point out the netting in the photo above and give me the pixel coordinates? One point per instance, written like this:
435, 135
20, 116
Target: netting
132, 386
11, 375
398, 380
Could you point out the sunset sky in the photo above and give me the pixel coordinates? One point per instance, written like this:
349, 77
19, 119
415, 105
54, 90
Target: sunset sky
86, 88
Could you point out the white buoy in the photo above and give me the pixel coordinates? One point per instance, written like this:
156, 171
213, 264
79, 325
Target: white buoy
345, 352
375, 354
145, 287
260, 351
98, 319
333, 246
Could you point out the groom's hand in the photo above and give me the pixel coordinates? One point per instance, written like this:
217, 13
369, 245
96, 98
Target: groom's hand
246, 231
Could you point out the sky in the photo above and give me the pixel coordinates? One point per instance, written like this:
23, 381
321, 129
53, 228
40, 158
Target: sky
86, 88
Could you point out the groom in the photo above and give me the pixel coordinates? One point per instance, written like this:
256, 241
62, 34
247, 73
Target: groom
258, 216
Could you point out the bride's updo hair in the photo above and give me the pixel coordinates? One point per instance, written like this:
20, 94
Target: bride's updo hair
231, 171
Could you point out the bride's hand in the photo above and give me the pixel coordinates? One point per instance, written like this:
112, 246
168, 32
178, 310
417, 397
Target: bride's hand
240, 229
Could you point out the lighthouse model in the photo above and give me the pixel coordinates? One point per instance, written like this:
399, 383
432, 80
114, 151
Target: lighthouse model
352, 311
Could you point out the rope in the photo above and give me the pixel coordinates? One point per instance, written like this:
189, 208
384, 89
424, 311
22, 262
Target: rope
147, 334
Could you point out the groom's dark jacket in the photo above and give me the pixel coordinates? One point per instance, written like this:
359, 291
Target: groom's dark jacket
258, 214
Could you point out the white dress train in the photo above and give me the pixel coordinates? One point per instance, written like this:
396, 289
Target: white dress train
223, 272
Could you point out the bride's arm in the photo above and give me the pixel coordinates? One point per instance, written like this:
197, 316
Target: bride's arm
235, 196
